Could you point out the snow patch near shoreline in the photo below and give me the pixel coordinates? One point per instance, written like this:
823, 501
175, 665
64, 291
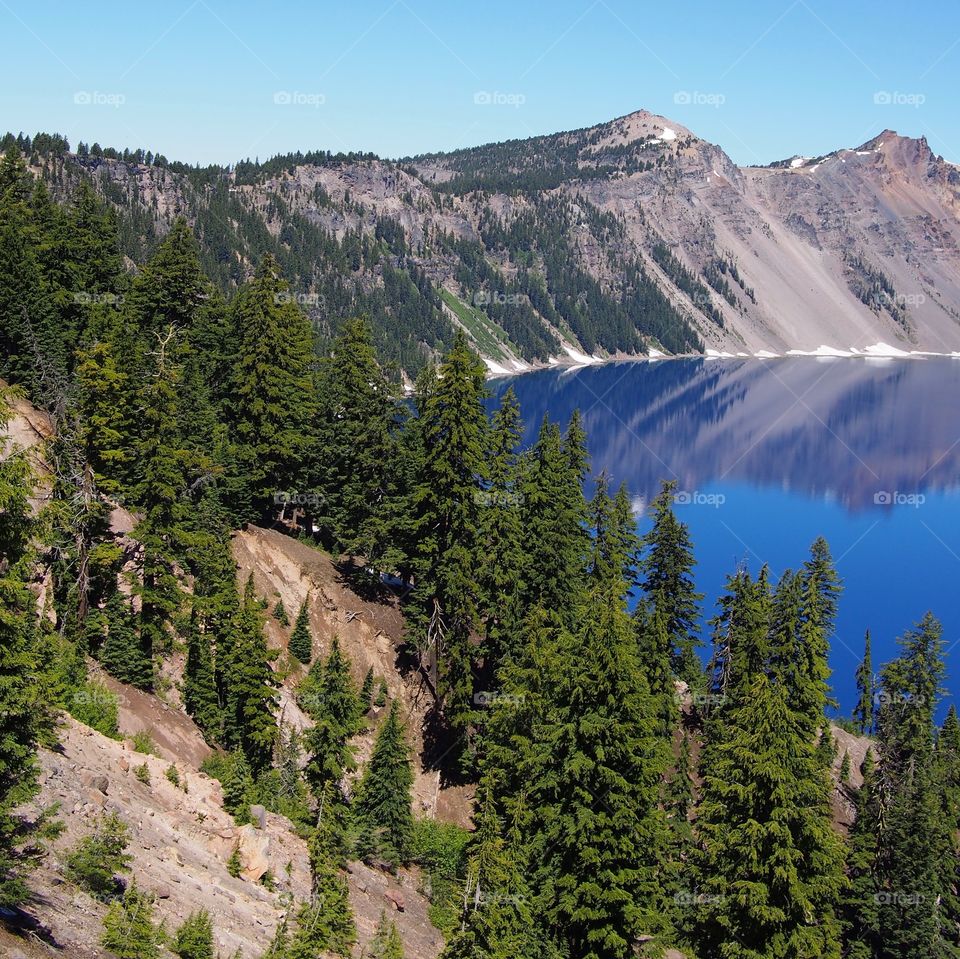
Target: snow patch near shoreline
884, 349
496, 369
822, 350
766, 355
581, 359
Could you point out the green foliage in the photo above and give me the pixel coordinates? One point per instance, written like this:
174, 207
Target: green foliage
173, 776
301, 639
129, 930
386, 942
668, 586
194, 938
24, 714
142, 772
234, 863
280, 614
383, 802
94, 705
440, 850
96, 859
142, 742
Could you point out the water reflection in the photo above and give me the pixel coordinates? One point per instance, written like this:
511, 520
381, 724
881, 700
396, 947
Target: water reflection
844, 430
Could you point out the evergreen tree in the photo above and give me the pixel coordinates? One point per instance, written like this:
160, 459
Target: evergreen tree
331, 701
366, 691
194, 938
358, 417
597, 809
301, 639
163, 464
383, 803
498, 918
863, 712
910, 878
668, 586
129, 930
444, 609
770, 871
272, 396
248, 684
860, 913
386, 942
24, 719
554, 515
123, 654
503, 553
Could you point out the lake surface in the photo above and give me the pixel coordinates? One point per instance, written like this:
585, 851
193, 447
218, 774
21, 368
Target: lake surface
770, 454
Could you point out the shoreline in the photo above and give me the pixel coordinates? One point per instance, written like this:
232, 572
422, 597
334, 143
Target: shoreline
877, 352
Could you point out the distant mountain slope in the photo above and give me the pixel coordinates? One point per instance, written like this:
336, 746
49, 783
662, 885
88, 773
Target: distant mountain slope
618, 238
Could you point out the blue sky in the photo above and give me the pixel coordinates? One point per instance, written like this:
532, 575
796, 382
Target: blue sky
212, 81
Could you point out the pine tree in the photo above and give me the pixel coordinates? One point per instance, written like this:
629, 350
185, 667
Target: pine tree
163, 465
860, 912
129, 930
194, 938
383, 803
213, 608
386, 942
331, 701
444, 608
770, 871
366, 691
24, 718
554, 515
248, 684
123, 654
503, 554
909, 874
498, 918
272, 396
358, 417
301, 639
668, 586
280, 614
597, 812
863, 712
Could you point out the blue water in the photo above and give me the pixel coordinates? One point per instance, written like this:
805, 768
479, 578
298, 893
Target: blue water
770, 454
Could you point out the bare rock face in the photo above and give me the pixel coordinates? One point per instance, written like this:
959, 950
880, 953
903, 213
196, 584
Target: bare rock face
850, 249
254, 847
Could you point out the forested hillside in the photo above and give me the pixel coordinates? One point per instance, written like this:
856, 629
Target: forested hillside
628, 799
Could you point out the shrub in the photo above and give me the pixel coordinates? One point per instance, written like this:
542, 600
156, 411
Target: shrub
95, 860
129, 931
440, 850
95, 706
142, 773
194, 939
143, 743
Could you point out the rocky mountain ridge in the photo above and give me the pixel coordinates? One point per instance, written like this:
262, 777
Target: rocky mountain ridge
631, 236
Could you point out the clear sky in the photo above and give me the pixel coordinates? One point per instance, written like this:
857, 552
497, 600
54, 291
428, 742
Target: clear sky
217, 81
